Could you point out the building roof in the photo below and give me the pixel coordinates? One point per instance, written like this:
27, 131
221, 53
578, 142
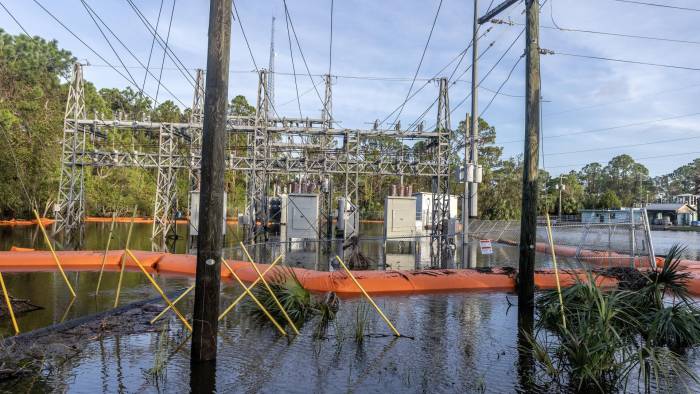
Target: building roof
667, 207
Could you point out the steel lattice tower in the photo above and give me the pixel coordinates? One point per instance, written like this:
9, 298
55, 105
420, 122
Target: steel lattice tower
439, 239
70, 204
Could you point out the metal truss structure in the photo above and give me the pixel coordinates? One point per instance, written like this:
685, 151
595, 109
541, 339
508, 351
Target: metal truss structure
439, 246
70, 204
276, 146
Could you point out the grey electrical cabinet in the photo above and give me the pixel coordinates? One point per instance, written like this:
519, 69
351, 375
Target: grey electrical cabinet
399, 217
299, 215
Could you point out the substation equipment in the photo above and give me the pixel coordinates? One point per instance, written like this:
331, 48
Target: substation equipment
269, 150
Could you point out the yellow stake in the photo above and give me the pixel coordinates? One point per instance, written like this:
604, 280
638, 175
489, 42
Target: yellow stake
162, 294
9, 304
104, 256
362, 289
240, 297
53, 253
254, 298
556, 270
175, 301
123, 260
269, 289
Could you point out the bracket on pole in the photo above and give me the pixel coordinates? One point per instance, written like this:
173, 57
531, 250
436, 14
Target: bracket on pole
496, 10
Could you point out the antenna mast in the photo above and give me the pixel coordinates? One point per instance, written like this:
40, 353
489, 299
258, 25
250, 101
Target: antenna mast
271, 68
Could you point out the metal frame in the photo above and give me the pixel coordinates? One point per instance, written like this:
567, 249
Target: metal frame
306, 147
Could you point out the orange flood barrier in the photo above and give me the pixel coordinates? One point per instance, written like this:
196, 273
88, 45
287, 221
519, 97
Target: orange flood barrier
380, 282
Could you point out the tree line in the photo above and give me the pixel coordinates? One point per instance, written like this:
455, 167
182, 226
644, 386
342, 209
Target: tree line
34, 75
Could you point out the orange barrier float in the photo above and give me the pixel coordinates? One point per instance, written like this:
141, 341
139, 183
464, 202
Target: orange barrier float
384, 282
25, 222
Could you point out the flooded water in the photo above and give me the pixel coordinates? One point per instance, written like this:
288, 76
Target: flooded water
455, 342
413, 253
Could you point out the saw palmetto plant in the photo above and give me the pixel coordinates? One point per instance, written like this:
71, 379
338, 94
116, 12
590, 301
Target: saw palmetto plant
613, 336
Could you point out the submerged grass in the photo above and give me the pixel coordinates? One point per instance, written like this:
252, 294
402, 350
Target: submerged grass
298, 302
361, 321
612, 336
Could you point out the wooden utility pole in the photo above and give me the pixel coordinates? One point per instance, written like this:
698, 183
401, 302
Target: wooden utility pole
211, 201
528, 218
471, 130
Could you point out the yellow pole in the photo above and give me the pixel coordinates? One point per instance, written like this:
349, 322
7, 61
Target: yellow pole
53, 253
556, 270
175, 301
371, 301
254, 298
240, 297
269, 289
160, 291
123, 260
65, 313
9, 304
104, 256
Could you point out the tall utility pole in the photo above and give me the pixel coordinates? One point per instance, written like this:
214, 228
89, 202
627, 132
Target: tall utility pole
528, 218
469, 208
211, 202
561, 188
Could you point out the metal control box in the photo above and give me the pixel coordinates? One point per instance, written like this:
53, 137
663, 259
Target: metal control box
299, 216
399, 217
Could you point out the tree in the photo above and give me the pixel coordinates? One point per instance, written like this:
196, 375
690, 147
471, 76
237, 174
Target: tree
166, 112
32, 101
239, 107
609, 200
129, 103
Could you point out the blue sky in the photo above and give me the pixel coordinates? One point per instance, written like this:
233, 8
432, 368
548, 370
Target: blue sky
385, 39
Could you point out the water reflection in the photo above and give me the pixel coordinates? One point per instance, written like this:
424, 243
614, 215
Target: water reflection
408, 253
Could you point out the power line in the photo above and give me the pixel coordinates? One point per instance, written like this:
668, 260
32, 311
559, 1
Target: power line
171, 54
554, 52
14, 19
460, 76
459, 56
481, 115
420, 62
603, 33
303, 58
91, 11
294, 68
250, 51
153, 42
165, 51
658, 5
84, 43
109, 43
612, 127
490, 70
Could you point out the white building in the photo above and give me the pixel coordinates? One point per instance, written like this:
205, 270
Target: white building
424, 206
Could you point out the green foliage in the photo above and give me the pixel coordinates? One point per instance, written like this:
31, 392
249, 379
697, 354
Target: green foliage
361, 321
609, 200
239, 107
611, 334
167, 112
295, 299
32, 101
